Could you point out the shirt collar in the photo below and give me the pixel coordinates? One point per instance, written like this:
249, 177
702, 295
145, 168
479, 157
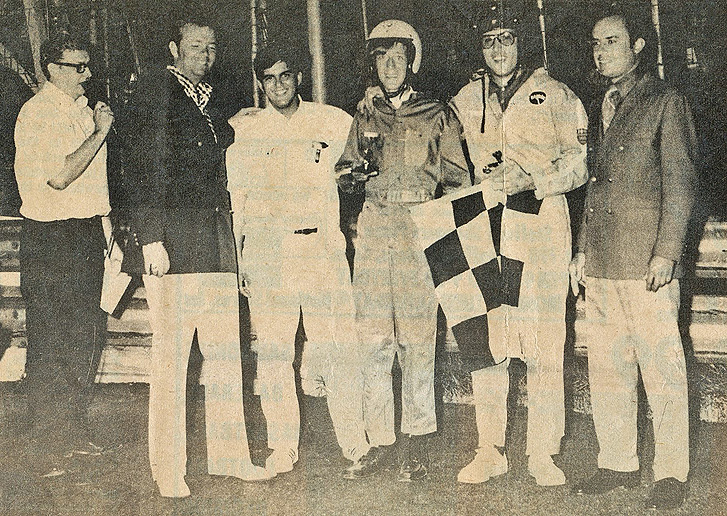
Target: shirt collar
200, 94
269, 108
627, 81
61, 97
402, 97
505, 94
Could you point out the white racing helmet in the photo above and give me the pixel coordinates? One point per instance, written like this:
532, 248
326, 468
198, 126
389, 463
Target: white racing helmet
397, 29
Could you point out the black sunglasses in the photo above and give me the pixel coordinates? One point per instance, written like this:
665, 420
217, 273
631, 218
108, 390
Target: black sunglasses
80, 67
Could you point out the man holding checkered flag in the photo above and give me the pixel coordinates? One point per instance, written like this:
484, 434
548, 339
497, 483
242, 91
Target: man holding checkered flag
525, 133
401, 153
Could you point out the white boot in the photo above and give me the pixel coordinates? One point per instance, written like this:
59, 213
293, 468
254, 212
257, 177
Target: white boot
488, 463
281, 461
173, 486
546, 473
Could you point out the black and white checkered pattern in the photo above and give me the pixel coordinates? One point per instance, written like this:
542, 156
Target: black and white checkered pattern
461, 236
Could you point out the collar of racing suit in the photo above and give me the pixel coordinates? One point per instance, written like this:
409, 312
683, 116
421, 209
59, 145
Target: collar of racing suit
504, 94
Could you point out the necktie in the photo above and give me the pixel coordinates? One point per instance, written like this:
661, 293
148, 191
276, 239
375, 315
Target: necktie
610, 103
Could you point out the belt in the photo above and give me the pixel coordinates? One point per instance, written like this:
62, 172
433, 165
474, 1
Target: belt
305, 231
400, 196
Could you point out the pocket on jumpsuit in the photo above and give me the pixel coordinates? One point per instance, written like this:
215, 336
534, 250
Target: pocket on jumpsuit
416, 148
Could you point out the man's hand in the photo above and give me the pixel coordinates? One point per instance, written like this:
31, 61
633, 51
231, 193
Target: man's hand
243, 283
496, 176
156, 259
516, 179
661, 272
103, 117
351, 180
366, 104
248, 111
576, 271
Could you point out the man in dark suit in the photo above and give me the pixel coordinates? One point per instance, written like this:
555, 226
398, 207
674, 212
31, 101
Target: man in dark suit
181, 220
629, 255
15, 94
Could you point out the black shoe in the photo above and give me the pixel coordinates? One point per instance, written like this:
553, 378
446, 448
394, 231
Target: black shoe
414, 458
412, 470
605, 480
376, 459
668, 493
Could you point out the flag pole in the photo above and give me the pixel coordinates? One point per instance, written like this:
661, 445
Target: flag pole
315, 44
657, 28
541, 19
365, 19
253, 52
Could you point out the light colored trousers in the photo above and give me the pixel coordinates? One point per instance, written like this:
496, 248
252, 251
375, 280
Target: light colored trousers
634, 330
533, 331
397, 314
290, 274
540, 346
179, 304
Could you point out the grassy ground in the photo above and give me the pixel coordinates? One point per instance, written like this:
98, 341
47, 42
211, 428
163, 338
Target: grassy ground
119, 482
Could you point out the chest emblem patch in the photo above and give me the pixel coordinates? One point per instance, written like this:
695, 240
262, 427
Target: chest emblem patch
537, 97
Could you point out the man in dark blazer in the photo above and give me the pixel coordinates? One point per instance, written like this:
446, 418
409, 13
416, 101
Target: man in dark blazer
629, 256
180, 217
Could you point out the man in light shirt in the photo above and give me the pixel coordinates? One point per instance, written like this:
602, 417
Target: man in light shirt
285, 200
60, 166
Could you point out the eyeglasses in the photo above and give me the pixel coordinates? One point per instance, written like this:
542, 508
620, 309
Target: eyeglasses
506, 38
80, 67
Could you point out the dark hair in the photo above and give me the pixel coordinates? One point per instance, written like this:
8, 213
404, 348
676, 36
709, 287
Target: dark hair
291, 54
638, 25
197, 20
51, 50
386, 44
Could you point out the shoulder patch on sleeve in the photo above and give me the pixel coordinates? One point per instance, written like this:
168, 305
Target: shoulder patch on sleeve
582, 135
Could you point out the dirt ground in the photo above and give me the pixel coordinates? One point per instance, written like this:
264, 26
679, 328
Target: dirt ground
119, 482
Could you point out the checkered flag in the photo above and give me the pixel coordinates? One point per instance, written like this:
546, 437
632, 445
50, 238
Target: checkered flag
475, 267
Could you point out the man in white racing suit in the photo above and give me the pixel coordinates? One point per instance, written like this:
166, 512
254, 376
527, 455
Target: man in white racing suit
293, 263
525, 133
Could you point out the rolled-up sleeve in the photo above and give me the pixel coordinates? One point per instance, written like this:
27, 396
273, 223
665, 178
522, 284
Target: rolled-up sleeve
41, 144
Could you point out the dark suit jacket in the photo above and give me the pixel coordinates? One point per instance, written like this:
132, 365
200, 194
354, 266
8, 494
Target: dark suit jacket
643, 182
15, 93
175, 177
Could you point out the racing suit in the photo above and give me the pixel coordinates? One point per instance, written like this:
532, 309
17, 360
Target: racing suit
285, 199
541, 126
416, 150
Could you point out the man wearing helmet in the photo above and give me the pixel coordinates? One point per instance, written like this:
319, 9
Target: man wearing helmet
525, 133
400, 153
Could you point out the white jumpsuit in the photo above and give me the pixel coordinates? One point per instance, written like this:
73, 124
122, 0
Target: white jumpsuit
539, 129
285, 204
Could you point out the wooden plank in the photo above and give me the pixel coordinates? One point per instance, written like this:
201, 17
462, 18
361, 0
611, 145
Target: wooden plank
122, 364
710, 272
10, 278
714, 304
